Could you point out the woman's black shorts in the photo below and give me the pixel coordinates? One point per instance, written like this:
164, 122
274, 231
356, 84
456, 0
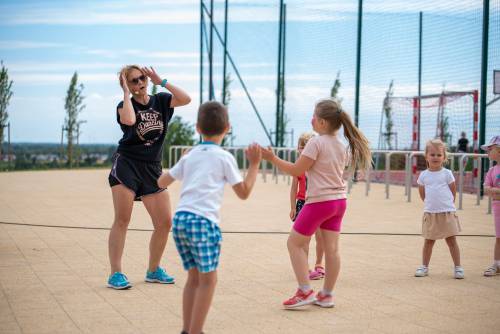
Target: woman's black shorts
139, 176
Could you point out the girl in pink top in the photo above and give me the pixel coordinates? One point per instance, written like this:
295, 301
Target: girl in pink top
324, 159
492, 188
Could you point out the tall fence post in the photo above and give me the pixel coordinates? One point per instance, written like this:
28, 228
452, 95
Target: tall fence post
358, 62
484, 78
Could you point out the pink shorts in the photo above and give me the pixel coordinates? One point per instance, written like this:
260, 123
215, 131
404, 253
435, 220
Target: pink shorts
495, 205
326, 215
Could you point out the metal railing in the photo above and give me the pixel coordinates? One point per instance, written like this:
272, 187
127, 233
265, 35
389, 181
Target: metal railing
409, 170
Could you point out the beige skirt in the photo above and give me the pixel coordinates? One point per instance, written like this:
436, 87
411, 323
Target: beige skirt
440, 225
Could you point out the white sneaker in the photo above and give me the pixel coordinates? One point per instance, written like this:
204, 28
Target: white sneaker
492, 270
422, 271
459, 272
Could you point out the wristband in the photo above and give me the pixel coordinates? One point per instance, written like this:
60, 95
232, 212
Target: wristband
164, 83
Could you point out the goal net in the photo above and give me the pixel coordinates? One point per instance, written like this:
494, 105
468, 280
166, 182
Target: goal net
408, 122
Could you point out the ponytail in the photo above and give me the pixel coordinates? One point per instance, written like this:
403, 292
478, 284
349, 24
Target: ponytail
331, 111
359, 146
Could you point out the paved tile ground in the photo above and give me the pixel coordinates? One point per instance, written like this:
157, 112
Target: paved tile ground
52, 279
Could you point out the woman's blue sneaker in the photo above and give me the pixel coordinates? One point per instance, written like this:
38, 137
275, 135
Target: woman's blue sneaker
159, 276
118, 281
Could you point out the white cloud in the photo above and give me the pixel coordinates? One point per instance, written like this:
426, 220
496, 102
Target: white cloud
140, 53
95, 96
428, 6
15, 45
103, 53
41, 77
389, 6
33, 66
51, 78
182, 12
170, 54
44, 67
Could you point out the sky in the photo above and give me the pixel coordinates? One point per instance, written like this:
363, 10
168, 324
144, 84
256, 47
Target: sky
42, 43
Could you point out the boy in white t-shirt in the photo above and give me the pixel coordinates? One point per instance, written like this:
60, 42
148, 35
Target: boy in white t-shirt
205, 170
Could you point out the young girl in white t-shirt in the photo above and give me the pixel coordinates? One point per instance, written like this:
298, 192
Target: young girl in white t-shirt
437, 189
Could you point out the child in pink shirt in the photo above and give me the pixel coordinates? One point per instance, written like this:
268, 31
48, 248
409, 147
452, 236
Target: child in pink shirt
324, 159
492, 188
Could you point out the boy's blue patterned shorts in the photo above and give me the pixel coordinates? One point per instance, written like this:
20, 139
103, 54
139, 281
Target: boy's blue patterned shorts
197, 240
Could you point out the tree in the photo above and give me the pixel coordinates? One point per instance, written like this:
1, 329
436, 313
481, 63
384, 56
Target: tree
226, 99
443, 120
178, 133
226, 94
74, 106
154, 90
5, 95
388, 115
447, 136
336, 86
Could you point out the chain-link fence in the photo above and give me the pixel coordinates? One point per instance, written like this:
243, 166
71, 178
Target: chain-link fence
438, 42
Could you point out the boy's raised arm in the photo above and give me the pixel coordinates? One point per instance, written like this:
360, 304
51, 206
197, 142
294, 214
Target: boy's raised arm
298, 168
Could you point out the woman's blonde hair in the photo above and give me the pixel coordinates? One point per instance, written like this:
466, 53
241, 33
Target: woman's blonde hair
304, 138
126, 70
439, 144
331, 111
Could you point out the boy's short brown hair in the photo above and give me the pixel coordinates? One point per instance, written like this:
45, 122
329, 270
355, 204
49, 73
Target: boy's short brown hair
213, 118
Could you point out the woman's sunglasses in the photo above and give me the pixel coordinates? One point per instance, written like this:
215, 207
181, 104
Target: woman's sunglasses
135, 81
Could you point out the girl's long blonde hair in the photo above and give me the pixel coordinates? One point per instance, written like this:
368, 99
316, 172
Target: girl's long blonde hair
331, 111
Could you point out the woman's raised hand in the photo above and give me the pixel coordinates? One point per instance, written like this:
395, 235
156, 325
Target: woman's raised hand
151, 73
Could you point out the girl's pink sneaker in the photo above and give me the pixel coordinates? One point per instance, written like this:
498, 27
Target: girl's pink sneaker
324, 301
300, 299
317, 273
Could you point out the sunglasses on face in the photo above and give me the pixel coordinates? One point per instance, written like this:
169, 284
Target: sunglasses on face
135, 81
